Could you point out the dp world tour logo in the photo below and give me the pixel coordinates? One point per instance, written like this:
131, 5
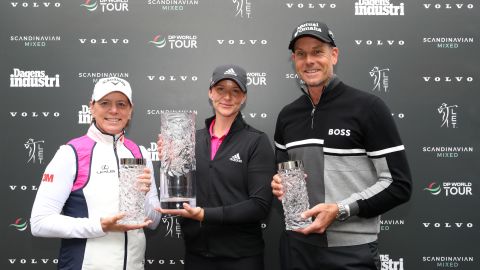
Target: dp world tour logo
176, 41
451, 188
90, 6
159, 41
433, 188
20, 224
106, 5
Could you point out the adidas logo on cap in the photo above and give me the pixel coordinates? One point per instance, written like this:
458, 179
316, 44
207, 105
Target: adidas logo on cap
230, 71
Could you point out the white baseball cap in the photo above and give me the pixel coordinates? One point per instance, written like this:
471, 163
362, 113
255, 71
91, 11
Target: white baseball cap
105, 86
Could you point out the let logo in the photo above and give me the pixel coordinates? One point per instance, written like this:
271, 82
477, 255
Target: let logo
47, 177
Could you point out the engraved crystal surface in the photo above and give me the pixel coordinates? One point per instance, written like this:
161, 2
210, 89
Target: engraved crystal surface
295, 199
178, 164
132, 199
178, 133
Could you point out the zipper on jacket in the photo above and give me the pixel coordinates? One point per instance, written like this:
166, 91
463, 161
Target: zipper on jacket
116, 154
313, 116
314, 108
307, 93
125, 252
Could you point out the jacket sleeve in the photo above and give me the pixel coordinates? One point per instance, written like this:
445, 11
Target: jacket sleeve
151, 198
387, 153
57, 182
260, 171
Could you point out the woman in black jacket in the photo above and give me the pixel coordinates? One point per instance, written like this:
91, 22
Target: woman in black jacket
235, 164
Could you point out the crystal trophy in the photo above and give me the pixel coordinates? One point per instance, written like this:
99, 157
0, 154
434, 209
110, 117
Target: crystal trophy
295, 198
178, 164
131, 198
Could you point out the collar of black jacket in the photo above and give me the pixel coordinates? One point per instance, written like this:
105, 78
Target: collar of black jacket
334, 81
327, 91
237, 124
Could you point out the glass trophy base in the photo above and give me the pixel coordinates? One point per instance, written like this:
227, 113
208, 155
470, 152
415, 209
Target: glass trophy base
291, 225
177, 202
177, 189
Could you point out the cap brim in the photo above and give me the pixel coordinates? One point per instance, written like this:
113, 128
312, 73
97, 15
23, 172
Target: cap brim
104, 93
230, 78
292, 42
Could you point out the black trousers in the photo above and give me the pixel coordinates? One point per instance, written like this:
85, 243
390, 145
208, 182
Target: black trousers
198, 262
299, 255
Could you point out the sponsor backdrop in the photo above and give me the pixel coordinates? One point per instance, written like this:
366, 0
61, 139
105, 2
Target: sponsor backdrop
421, 57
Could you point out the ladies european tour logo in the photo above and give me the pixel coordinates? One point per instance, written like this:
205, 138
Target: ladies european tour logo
449, 115
35, 150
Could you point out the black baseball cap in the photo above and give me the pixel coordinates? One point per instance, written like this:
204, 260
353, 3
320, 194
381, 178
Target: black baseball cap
232, 72
318, 30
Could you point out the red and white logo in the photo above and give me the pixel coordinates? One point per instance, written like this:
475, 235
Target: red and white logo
47, 177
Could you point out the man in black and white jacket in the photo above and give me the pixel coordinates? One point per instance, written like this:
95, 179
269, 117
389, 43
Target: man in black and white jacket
354, 159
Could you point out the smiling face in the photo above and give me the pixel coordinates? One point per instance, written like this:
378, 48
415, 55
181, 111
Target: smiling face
227, 98
314, 61
112, 112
